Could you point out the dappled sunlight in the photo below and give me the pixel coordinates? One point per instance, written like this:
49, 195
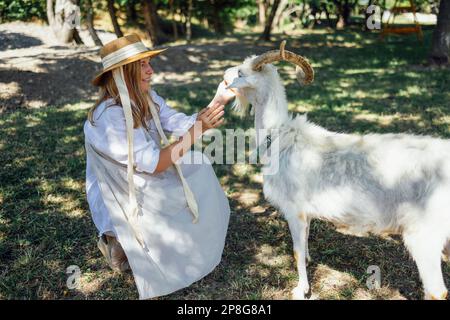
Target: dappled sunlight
258, 209
68, 205
267, 255
242, 169
82, 105
186, 77
361, 86
257, 178
92, 282
411, 91
247, 197
9, 88
32, 121
331, 284
388, 119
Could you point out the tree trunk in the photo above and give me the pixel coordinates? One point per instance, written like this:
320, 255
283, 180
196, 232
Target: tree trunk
174, 22
440, 47
131, 11
279, 13
344, 10
90, 23
268, 27
217, 22
76, 37
262, 10
346, 14
63, 18
157, 36
188, 21
112, 14
327, 14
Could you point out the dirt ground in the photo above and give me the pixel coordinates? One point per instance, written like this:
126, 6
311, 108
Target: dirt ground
36, 70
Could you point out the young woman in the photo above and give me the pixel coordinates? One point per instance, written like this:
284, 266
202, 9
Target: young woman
164, 248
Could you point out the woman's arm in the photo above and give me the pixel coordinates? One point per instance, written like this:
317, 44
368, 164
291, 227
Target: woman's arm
209, 117
177, 123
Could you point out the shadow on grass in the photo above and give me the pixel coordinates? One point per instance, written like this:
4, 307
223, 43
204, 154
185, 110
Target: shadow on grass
361, 86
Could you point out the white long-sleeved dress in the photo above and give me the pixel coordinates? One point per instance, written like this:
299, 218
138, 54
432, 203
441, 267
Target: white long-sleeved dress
109, 136
176, 252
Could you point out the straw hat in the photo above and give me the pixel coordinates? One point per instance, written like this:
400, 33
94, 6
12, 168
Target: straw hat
122, 51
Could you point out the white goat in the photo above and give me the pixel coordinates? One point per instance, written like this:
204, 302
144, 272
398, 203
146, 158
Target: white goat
377, 183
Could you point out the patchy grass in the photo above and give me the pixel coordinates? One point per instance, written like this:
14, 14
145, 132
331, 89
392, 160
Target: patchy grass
361, 85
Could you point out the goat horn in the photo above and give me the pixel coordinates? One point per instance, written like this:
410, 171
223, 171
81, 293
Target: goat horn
304, 70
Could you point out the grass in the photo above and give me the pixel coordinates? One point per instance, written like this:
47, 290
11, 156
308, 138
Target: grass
361, 85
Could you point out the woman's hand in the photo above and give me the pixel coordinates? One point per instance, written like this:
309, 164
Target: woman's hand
223, 95
211, 117
207, 118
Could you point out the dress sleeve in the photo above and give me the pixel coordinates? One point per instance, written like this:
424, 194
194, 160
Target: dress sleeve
110, 137
172, 121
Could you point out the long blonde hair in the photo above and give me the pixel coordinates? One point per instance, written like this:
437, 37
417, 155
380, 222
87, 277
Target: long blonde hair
139, 104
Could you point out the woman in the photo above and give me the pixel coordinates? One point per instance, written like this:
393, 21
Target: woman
148, 227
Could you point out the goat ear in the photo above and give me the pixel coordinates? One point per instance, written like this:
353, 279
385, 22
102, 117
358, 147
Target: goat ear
239, 83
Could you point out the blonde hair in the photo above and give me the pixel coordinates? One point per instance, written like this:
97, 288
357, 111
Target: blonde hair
139, 104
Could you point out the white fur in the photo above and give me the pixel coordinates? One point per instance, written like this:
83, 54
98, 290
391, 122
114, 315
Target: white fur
390, 183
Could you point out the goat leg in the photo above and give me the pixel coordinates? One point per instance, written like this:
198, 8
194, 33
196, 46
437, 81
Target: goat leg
298, 226
426, 249
308, 257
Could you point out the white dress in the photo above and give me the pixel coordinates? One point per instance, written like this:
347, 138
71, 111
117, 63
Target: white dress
179, 252
109, 136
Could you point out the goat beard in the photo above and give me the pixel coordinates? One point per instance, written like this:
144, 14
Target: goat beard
242, 106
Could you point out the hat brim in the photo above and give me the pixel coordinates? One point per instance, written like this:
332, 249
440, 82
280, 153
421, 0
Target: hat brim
147, 54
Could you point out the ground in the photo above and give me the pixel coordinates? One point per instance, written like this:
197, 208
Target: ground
362, 85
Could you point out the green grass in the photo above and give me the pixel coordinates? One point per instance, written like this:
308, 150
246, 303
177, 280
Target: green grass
361, 85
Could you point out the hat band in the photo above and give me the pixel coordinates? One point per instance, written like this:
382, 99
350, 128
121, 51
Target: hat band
123, 53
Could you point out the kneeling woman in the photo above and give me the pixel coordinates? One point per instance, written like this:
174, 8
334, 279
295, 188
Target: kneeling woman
157, 214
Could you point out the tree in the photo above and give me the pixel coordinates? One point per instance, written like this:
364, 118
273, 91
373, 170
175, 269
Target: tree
174, 22
262, 11
130, 6
440, 47
188, 21
269, 22
215, 18
277, 21
157, 36
115, 23
90, 23
344, 9
63, 19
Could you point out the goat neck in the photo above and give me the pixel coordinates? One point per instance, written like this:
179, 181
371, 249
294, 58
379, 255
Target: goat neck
271, 109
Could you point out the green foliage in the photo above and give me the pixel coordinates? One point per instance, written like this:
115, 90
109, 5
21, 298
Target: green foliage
22, 10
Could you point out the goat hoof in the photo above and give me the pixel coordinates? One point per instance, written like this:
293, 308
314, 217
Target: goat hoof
298, 293
442, 296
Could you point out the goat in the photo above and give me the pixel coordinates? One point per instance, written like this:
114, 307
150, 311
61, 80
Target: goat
375, 183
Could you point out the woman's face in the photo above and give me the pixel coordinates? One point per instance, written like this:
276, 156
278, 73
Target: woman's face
146, 74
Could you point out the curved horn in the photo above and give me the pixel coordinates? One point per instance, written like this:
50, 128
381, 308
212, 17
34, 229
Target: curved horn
304, 70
